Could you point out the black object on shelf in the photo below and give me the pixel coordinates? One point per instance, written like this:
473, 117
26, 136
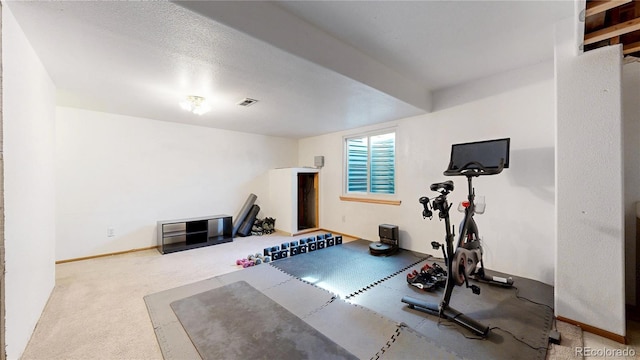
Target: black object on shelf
185, 234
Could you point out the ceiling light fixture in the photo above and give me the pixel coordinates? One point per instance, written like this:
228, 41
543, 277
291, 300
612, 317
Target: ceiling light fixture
195, 104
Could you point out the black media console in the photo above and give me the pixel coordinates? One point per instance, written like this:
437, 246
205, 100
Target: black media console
185, 234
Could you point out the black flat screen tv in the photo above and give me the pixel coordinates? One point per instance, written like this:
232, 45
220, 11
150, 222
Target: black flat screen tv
489, 153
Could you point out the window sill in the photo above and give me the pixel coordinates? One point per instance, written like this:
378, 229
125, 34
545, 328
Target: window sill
370, 200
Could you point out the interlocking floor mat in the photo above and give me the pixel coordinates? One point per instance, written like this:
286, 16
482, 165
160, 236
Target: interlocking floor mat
520, 317
173, 340
371, 322
360, 331
347, 269
238, 321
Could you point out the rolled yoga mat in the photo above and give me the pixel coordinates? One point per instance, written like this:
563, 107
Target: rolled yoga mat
237, 222
247, 224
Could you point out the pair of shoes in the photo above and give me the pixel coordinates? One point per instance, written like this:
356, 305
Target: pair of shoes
421, 280
429, 277
438, 274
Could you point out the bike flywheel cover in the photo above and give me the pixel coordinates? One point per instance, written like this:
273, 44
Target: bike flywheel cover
458, 267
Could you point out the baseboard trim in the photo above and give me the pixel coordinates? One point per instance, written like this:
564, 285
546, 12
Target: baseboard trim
155, 247
306, 231
105, 255
301, 232
341, 234
594, 330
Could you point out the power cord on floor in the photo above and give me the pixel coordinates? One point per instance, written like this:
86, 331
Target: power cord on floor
520, 340
529, 300
498, 328
555, 328
454, 326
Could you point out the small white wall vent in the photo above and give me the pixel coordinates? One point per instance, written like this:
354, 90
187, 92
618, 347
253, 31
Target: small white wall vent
247, 102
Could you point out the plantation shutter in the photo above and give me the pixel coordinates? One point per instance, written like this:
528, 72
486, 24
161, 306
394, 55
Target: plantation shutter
357, 156
383, 164
370, 164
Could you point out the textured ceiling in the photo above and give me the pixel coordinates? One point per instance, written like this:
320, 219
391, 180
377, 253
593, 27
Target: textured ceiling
315, 66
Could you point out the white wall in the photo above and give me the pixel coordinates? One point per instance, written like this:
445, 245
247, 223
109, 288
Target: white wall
28, 150
589, 181
631, 141
283, 198
519, 219
127, 173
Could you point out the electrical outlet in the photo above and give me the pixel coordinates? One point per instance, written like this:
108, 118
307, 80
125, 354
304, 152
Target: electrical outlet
111, 232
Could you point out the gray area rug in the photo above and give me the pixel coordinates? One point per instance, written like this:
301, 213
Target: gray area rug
347, 269
237, 321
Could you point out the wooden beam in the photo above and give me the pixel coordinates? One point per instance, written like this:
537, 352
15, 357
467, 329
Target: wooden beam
612, 31
596, 7
615, 19
629, 49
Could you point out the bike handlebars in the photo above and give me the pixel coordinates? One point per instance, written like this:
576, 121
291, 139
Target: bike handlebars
474, 168
442, 187
426, 213
438, 204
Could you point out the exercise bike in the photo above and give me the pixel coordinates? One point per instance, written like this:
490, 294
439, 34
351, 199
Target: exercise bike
464, 262
468, 253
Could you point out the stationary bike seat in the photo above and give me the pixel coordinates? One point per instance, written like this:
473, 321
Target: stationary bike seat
447, 185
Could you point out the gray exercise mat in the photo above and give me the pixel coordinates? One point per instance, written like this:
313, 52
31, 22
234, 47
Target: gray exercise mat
174, 342
408, 344
348, 268
237, 321
495, 307
373, 323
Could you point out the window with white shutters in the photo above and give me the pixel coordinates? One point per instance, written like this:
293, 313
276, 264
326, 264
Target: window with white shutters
370, 163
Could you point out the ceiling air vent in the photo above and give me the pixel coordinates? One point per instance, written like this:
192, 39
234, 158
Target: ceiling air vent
247, 102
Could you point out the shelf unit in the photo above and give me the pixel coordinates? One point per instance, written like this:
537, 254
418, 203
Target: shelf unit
185, 234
